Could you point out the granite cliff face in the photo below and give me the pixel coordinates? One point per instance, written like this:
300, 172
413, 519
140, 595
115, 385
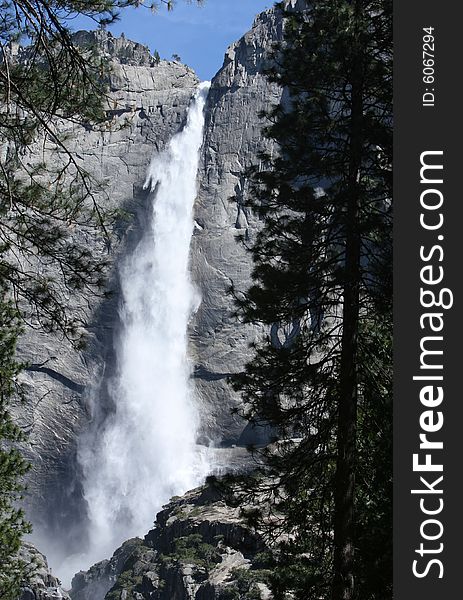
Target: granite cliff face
147, 104
232, 142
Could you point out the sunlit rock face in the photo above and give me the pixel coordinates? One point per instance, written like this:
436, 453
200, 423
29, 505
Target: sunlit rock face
233, 140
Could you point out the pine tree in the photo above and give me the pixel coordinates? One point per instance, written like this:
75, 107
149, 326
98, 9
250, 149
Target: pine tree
12, 465
322, 273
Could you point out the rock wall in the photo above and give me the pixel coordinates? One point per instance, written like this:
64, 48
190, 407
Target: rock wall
233, 139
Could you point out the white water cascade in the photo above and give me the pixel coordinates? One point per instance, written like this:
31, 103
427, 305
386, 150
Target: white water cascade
146, 451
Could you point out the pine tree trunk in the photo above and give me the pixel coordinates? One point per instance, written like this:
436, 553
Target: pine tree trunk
343, 583
344, 497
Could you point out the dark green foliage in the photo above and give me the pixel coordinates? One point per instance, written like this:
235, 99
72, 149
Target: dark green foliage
244, 585
126, 581
193, 549
12, 465
322, 288
374, 472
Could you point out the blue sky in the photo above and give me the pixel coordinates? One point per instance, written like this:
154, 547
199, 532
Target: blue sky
198, 34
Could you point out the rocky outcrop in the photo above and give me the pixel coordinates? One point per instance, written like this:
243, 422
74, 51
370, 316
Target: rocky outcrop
101, 577
201, 548
40, 583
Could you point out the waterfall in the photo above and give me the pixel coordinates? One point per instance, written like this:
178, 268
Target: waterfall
146, 450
